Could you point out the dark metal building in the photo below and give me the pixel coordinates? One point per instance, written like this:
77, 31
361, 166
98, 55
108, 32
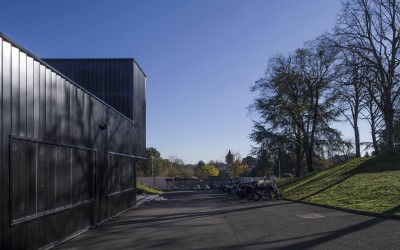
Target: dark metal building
67, 158
109, 79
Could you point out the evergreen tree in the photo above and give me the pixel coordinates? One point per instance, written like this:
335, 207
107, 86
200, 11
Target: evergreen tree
229, 158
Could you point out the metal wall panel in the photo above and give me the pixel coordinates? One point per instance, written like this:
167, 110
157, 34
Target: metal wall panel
6, 128
112, 80
36, 99
139, 95
54, 155
42, 101
29, 97
22, 94
119, 82
14, 90
1, 142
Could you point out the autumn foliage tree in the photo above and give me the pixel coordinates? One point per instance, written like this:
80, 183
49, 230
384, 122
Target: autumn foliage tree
210, 170
237, 169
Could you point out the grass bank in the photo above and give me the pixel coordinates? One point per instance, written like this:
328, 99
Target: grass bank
146, 189
366, 184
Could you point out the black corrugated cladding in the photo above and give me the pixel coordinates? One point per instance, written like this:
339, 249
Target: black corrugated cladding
119, 82
112, 80
63, 169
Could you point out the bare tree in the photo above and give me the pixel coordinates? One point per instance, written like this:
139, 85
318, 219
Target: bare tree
370, 29
318, 68
373, 115
351, 92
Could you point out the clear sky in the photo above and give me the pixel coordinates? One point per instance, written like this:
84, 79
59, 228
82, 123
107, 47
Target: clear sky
200, 56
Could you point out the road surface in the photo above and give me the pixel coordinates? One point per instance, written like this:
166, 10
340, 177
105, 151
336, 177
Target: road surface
216, 220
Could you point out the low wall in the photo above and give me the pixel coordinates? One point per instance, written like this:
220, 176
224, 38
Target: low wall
166, 184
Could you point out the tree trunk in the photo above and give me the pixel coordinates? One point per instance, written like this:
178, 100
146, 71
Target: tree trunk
373, 122
298, 160
389, 126
357, 140
308, 150
355, 121
310, 142
309, 160
389, 136
375, 142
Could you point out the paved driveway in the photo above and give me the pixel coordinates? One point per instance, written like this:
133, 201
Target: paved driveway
215, 220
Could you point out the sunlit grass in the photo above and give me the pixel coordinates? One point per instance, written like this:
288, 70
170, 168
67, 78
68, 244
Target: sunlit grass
147, 190
368, 184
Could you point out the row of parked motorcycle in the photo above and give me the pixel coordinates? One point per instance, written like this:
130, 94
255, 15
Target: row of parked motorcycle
254, 190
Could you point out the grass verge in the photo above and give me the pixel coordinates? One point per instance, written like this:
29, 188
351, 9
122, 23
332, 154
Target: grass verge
365, 184
146, 189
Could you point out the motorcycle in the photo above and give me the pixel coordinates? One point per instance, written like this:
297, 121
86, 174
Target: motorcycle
269, 190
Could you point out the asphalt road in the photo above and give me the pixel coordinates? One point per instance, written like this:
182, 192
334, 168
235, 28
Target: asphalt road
215, 220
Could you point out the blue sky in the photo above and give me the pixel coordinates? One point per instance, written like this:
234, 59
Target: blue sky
200, 56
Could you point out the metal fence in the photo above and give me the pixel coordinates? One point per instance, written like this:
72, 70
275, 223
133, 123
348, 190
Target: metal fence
168, 184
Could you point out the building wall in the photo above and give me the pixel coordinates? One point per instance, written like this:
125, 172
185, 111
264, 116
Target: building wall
60, 172
121, 83
112, 80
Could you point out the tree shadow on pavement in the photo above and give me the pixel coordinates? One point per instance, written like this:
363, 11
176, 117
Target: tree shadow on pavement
160, 219
153, 226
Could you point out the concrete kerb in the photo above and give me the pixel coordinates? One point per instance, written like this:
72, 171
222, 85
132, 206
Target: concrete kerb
140, 199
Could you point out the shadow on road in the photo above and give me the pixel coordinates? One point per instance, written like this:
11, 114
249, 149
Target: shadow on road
192, 220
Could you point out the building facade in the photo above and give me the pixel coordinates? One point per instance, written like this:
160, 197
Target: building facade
67, 157
115, 81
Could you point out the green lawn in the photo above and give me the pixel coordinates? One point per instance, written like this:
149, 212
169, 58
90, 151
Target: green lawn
147, 190
368, 184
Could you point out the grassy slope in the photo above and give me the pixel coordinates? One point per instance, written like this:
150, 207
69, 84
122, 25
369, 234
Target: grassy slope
367, 184
147, 190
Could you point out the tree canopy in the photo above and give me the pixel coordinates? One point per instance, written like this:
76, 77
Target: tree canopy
348, 75
210, 170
